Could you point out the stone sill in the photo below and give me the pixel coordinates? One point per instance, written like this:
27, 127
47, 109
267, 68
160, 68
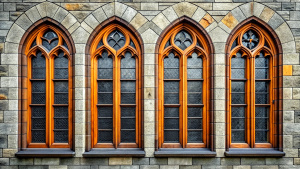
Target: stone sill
45, 152
184, 152
254, 152
121, 152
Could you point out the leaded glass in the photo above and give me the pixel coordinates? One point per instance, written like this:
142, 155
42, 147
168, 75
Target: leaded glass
105, 111
105, 66
234, 44
183, 39
250, 39
105, 136
171, 112
238, 124
61, 111
195, 136
33, 43
50, 40
116, 39
238, 67
171, 136
167, 44
38, 66
132, 44
61, 136
100, 44
128, 66
261, 67
128, 136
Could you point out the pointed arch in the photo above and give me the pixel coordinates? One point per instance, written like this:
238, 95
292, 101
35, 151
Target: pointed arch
262, 109
184, 40
47, 120
118, 44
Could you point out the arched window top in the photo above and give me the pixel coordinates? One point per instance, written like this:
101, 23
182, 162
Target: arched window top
48, 39
252, 39
117, 41
184, 40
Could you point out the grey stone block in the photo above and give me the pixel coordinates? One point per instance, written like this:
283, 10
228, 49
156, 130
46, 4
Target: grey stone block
10, 6
275, 21
14, 15
60, 14
21, 161
129, 14
33, 14
94, 161
297, 117
288, 6
149, 166
4, 161
3, 71
281, 161
275, 6
230, 161
24, 6
158, 161
129, 167
3, 104
206, 161
253, 161
46, 161
140, 161
5, 24
80, 167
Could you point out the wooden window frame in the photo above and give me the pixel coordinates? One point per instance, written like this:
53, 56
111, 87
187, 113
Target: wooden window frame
205, 53
117, 56
27, 54
266, 34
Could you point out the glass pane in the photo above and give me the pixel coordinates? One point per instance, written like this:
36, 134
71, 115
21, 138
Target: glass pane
194, 123
105, 86
127, 111
171, 112
194, 73
38, 111
261, 73
105, 111
237, 111
128, 98
238, 136
100, 44
237, 73
38, 123
105, 123
262, 112
61, 111
49, 35
128, 136
61, 67
171, 98
105, 98
237, 86
105, 61
61, 86
61, 136
183, 39
51, 45
128, 86
234, 44
194, 98
250, 39
194, 112
127, 73
171, 86
38, 98
127, 123
61, 123
171, 61
261, 136
132, 44
128, 61
194, 136
171, 136
116, 39
105, 73
238, 124
171, 123
194, 61
238, 61
194, 86
61, 73
105, 136
61, 98
38, 136
237, 98
38, 86
171, 73
261, 87
261, 61
38, 66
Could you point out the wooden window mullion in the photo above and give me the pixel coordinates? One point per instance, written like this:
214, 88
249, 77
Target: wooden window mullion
252, 101
184, 94
116, 101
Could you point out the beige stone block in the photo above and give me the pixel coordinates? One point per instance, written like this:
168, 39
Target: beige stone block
179, 161
219, 70
225, 6
247, 9
242, 167
288, 116
291, 58
224, 27
287, 93
149, 105
149, 152
11, 48
149, 6
220, 152
149, 81
79, 128
15, 34
91, 21
206, 21
79, 151
80, 35
169, 167
42, 8
296, 93
58, 167
149, 48
149, 116
161, 21
33, 14
74, 27
119, 9
149, 141
9, 152
149, 128
69, 21
170, 14
220, 142
219, 82
219, 58
138, 21
198, 15
120, 161
13, 105
51, 9
219, 105
266, 14
149, 58
257, 9
220, 130
205, 6
86, 27
296, 161
289, 48
185, 8
290, 152
129, 14
218, 35
79, 141
9, 81
149, 70
230, 21
99, 15
287, 141
149, 36
284, 33
296, 70
219, 117
211, 27
149, 93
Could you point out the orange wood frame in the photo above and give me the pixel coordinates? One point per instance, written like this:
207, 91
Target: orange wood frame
116, 56
183, 55
29, 52
250, 55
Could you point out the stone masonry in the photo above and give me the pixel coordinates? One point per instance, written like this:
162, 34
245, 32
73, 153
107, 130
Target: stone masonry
149, 18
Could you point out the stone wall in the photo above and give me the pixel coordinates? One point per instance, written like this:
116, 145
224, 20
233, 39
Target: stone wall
149, 18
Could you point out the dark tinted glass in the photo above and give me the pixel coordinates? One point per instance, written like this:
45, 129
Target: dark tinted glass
238, 124
105, 66
105, 136
116, 39
61, 136
61, 67
38, 66
128, 67
250, 39
183, 39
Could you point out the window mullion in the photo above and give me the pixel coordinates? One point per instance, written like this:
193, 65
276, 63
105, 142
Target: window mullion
252, 101
49, 101
116, 101
183, 71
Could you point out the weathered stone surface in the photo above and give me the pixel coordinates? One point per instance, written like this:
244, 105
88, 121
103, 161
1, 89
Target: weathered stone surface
230, 161
129, 14
218, 35
81, 6
109, 9
230, 21
149, 6
33, 14
120, 9
185, 8
161, 21
206, 161
179, 161
68, 21
275, 21
252, 161
266, 14
199, 14
138, 21
170, 14
46, 161
257, 9
158, 161
120, 161
60, 14
238, 14
140, 161
247, 9
206, 21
